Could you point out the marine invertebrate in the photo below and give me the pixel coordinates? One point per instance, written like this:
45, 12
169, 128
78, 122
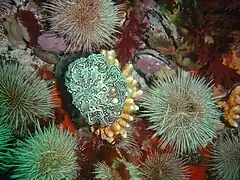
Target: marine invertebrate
103, 94
164, 166
129, 107
103, 172
86, 25
48, 154
5, 143
232, 108
225, 158
98, 89
24, 97
182, 110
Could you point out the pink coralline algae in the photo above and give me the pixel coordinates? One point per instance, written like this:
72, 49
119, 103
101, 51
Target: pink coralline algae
51, 42
149, 62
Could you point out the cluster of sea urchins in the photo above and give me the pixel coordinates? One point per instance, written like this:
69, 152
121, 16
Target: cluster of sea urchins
179, 107
27, 99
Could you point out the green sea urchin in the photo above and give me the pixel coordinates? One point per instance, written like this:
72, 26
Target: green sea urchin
103, 172
24, 97
85, 24
49, 154
5, 139
98, 89
182, 110
226, 158
164, 166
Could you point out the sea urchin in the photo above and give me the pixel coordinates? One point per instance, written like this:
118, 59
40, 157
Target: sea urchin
164, 166
85, 24
24, 97
182, 110
226, 158
49, 154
